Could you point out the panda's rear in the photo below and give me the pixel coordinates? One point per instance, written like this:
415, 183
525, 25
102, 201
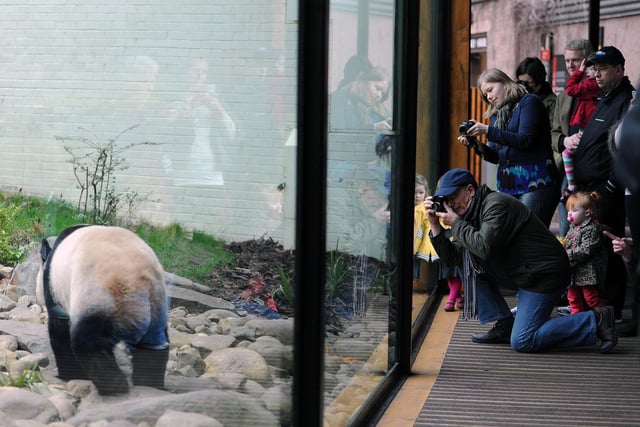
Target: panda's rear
110, 286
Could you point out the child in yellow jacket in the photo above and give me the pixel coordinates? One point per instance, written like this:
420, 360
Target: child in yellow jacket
422, 249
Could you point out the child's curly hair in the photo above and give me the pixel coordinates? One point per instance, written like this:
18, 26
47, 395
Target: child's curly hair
588, 200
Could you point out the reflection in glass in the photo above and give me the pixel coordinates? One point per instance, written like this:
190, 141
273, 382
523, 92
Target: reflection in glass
358, 349
200, 100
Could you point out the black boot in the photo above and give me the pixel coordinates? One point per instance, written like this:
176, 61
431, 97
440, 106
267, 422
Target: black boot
499, 334
606, 328
149, 367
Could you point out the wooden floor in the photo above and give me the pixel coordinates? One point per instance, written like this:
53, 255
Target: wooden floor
459, 383
408, 403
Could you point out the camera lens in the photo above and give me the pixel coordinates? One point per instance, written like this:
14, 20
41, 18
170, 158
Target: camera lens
465, 126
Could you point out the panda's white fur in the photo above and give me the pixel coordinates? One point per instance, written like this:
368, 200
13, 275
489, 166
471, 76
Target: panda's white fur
112, 286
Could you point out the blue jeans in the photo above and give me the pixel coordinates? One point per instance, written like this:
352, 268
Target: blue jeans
542, 202
533, 329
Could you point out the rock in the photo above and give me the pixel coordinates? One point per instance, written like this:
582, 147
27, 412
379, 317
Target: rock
274, 352
216, 315
6, 303
196, 301
209, 343
8, 342
7, 421
24, 275
282, 329
278, 400
221, 362
26, 314
193, 322
5, 272
64, 404
172, 418
230, 380
15, 292
216, 404
253, 389
21, 404
172, 279
179, 338
225, 325
31, 336
241, 361
189, 361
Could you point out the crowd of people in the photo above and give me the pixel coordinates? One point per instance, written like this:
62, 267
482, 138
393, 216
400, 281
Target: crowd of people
555, 155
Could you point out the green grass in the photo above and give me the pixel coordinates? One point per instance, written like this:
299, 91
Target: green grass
29, 377
191, 256
25, 220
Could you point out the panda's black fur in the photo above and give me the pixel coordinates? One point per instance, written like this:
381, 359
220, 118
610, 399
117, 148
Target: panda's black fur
104, 285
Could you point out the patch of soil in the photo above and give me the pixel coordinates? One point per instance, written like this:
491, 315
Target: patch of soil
255, 275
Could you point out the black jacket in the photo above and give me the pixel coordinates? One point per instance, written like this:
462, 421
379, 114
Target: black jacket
592, 163
513, 242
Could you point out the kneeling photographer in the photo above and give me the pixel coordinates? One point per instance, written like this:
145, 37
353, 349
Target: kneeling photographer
519, 142
498, 241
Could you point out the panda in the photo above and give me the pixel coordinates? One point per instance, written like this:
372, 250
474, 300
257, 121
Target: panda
103, 285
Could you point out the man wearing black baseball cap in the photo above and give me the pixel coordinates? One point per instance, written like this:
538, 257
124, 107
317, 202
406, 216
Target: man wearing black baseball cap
593, 161
500, 242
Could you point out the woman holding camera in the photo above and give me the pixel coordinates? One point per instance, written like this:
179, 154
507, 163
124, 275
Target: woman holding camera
519, 143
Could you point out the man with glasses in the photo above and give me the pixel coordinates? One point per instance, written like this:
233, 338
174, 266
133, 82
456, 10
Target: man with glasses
593, 162
500, 242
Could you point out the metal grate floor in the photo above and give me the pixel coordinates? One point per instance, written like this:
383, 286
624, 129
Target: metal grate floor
492, 385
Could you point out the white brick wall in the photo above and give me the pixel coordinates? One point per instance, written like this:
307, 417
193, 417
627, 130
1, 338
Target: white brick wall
105, 66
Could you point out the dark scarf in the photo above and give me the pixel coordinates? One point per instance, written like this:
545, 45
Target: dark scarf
504, 113
471, 267
474, 268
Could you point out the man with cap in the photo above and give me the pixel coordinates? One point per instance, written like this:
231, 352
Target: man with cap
593, 161
500, 242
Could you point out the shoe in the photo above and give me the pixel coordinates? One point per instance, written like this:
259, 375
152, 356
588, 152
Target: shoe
606, 328
564, 311
460, 303
499, 334
449, 306
565, 196
514, 311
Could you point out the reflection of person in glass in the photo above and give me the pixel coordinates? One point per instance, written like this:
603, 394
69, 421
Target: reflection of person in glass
213, 128
359, 105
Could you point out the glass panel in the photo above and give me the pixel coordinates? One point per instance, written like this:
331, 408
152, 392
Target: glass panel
359, 275
192, 107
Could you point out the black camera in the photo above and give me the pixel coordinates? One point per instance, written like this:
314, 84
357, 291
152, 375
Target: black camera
438, 203
465, 126
384, 144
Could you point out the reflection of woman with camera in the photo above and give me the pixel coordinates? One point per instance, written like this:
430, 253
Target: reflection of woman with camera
519, 143
359, 105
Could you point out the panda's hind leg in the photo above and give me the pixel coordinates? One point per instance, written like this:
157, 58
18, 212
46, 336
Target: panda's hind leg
149, 366
92, 345
68, 366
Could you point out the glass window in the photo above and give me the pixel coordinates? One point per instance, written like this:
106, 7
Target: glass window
193, 106
360, 274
